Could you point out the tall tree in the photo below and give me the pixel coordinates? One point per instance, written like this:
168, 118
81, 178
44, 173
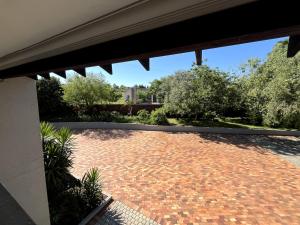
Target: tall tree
198, 92
50, 97
86, 91
272, 89
283, 90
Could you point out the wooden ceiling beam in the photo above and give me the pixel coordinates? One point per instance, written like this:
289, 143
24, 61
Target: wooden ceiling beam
45, 75
81, 71
61, 74
198, 54
34, 77
294, 45
145, 63
107, 68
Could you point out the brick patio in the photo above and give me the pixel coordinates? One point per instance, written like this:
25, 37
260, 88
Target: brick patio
186, 178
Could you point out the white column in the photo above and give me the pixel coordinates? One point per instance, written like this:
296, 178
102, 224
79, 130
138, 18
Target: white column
21, 159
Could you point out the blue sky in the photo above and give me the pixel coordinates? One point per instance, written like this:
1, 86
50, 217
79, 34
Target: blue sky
226, 58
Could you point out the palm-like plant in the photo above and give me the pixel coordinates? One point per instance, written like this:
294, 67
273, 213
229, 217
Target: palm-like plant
57, 158
70, 199
92, 188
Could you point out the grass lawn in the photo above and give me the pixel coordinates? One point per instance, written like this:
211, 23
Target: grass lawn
228, 122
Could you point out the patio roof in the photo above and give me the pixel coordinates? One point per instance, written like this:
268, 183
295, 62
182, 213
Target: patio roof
234, 22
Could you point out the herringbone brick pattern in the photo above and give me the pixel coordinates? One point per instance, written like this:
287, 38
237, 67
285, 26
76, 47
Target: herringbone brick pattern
186, 178
120, 214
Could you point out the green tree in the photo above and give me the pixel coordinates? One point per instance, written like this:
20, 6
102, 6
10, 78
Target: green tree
254, 83
271, 90
86, 91
179, 96
50, 97
235, 104
116, 93
198, 92
210, 90
156, 90
142, 95
283, 89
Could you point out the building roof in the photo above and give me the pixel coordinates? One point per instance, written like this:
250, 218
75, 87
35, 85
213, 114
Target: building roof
112, 32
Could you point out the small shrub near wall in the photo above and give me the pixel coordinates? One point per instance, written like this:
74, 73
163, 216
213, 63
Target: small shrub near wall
158, 117
125, 109
143, 116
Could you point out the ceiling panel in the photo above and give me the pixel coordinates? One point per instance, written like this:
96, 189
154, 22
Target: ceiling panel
26, 22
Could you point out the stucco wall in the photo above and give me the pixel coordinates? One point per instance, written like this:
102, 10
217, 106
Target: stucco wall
21, 162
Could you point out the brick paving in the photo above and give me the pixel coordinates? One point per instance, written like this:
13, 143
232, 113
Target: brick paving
120, 214
187, 178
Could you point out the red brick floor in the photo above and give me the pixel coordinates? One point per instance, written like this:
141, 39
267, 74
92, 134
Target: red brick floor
186, 178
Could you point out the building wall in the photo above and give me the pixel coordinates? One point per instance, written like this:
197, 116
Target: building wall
130, 94
21, 159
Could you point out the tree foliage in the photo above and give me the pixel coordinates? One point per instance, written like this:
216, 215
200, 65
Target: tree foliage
86, 91
265, 92
272, 89
50, 97
197, 92
116, 93
143, 96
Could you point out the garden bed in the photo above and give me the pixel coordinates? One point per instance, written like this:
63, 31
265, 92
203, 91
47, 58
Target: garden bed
107, 199
168, 128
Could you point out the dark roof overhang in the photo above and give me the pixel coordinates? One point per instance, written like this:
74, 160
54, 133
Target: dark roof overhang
250, 22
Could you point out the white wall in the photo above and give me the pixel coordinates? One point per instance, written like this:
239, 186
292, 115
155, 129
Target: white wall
21, 159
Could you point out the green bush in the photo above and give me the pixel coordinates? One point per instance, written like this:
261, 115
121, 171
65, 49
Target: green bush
143, 116
100, 116
158, 117
70, 199
91, 189
50, 99
210, 115
103, 116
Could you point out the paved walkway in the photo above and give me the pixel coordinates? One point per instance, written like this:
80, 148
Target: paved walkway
187, 178
120, 214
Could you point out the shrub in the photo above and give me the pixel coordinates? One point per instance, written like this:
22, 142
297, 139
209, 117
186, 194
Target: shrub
92, 114
209, 115
158, 117
143, 116
50, 99
91, 189
116, 114
255, 118
70, 199
103, 116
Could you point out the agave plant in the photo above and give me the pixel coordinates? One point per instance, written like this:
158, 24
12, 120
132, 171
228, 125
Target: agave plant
92, 188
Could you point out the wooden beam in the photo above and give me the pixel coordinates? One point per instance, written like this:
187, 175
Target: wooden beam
45, 75
145, 63
294, 45
61, 73
107, 68
198, 54
34, 77
80, 71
